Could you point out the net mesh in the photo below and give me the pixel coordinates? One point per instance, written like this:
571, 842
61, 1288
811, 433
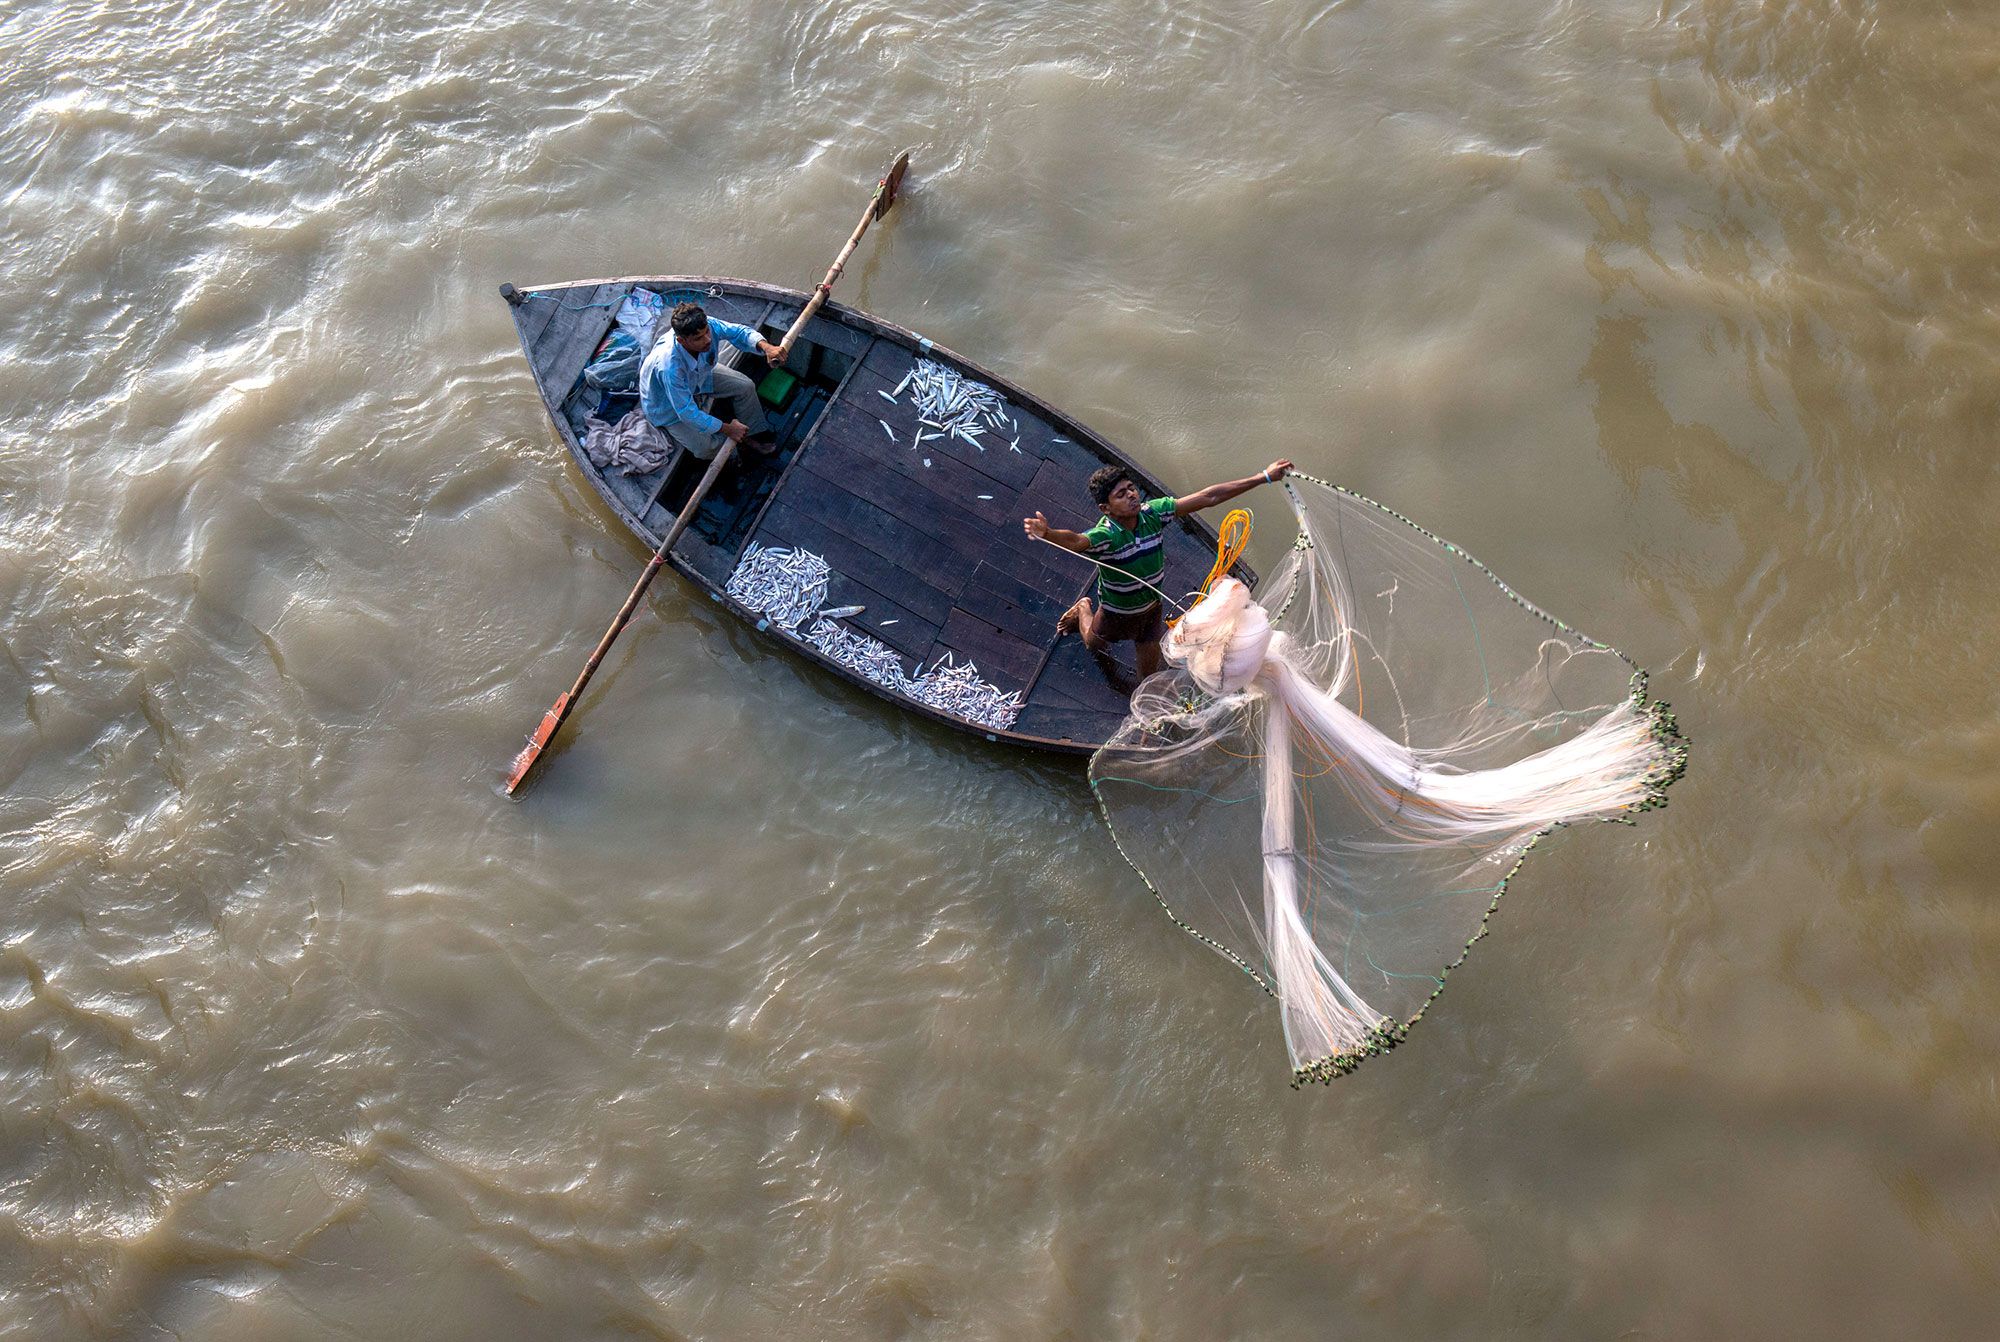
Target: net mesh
1331, 784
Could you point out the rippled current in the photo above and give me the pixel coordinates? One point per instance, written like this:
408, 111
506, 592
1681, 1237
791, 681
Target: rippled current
771, 1012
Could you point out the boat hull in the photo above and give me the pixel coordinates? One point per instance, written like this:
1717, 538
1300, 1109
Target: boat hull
920, 528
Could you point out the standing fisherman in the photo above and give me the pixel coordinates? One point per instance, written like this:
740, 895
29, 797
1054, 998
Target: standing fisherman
1128, 544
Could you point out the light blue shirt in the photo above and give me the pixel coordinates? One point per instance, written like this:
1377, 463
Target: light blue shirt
671, 378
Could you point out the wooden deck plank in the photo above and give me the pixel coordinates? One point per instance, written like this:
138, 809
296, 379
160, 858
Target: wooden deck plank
739, 308
997, 472
566, 347
1003, 659
1072, 724
853, 556
979, 600
899, 545
838, 336
712, 562
1049, 569
1083, 458
533, 315
999, 599
807, 444
983, 593
1190, 550
636, 492
853, 441
903, 629
1058, 495
1058, 444
573, 309
1062, 491
891, 361
912, 506
983, 597
948, 543
1048, 690
1015, 587
992, 585
1072, 678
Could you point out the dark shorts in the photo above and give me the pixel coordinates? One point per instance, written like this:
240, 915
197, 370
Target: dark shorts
1139, 626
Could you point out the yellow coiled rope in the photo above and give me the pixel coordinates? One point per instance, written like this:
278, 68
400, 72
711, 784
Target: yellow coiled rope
1230, 543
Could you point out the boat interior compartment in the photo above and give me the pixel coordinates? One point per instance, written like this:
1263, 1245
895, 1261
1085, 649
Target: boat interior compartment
920, 527
794, 397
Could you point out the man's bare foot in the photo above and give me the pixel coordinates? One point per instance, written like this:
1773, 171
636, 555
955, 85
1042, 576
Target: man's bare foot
1072, 619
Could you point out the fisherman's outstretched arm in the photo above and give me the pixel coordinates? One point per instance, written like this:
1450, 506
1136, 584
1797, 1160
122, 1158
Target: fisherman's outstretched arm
1229, 489
1038, 527
747, 340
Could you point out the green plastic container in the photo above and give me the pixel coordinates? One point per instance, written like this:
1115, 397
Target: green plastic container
776, 387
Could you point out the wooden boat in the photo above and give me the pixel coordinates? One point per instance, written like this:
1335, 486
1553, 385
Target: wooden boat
926, 538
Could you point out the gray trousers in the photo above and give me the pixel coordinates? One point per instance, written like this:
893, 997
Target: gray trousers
747, 407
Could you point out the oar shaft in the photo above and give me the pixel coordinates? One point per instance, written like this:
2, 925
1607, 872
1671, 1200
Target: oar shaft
818, 299
878, 205
653, 566
553, 720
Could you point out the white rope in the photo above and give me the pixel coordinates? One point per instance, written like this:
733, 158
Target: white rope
1177, 605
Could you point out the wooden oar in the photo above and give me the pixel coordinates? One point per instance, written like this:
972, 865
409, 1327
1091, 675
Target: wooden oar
552, 721
878, 205
568, 700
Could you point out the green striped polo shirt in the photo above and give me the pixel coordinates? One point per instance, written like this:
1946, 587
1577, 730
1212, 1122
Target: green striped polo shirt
1139, 553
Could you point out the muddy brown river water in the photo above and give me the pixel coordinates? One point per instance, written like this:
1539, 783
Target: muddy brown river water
772, 1012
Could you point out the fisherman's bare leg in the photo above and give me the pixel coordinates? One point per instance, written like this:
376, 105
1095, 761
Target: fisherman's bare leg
1148, 657
1081, 618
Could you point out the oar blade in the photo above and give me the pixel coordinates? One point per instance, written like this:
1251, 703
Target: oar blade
517, 773
885, 195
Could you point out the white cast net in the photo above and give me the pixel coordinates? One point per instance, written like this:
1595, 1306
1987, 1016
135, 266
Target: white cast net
1332, 782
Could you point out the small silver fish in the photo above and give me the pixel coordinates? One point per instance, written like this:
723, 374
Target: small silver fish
885, 396
886, 429
1058, 440
888, 622
987, 497
842, 612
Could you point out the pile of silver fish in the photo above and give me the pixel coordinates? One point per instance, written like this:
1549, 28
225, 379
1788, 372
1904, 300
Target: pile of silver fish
787, 586
947, 402
784, 586
957, 688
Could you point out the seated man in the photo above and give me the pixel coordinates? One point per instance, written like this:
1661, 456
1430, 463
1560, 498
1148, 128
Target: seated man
679, 382
1128, 542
